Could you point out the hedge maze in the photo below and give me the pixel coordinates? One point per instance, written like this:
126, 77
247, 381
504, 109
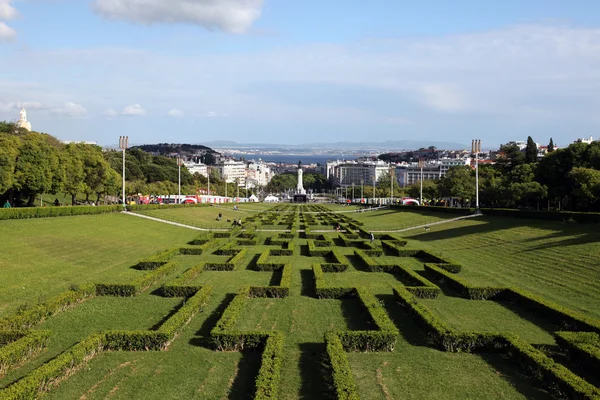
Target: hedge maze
313, 324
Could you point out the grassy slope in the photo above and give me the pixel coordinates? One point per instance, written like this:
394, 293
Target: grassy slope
191, 369
205, 217
559, 261
43, 257
392, 220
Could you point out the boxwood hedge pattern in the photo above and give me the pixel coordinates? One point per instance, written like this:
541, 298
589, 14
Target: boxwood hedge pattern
579, 340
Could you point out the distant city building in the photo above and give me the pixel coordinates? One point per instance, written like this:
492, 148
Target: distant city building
521, 144
93, 143
584, 140
22, 122
409, 174
232, 170
199, 168
258, 173
347, 173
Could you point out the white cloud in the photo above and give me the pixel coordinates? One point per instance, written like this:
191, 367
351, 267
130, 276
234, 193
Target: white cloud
175, 113
70, 109
133, 110
6, 32
444, 98
234, 16
7, 11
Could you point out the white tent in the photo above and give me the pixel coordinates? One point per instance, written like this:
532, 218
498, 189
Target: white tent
271, 199
253, 199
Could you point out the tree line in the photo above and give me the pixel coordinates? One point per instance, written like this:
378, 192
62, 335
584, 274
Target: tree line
564, 179
34, 164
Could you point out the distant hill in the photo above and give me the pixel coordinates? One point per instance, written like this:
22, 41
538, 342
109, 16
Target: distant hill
386, 146
167, 148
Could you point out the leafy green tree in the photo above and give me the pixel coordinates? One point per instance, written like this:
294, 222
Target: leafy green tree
551, 146
531, 151
9, 151
586, 183
34, 167
458, 182
511, 157
74, 174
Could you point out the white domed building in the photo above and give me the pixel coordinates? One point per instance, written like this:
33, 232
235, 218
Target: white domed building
22, 122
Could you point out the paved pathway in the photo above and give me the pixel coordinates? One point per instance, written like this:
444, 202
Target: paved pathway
173, 223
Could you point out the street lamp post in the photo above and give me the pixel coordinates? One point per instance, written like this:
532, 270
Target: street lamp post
225, 179
362, 182
208, 175
123, 143
421, 161
352, 191
392, 185
476, 147
179, 163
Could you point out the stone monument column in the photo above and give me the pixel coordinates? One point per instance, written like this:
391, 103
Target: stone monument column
300, 187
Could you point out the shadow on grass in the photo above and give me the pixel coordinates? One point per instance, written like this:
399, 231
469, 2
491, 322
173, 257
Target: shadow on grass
559, 355
252, 264
169, 315
530, 316
509, 371
315, 372
309, 288
356, 315
276, 278
243, 386
304, 250
202, 338
356, 263
440, 283
409, 330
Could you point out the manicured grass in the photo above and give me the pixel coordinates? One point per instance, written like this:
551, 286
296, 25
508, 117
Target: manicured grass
191, 368
559, 261
43, 257
206, 216
386, 219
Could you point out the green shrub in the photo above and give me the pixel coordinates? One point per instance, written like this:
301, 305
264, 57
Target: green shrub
180, 319
46, 212
269, 375
15, 352
49, 375
554, 376
325, 292
343, 380
562, 316
136, 286
38, 313
582, 348
191, 251
158, 259
464, 289
135, 340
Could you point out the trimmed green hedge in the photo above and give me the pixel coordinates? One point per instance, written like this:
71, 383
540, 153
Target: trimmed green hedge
326, 292
269, 375
180, 319
554, 376
15, 352
343, 380
464, 289
562, 316
136, 286
263, 263
283, 290
27, 318
582, 348
50, 374
47, 212
158, 259
229, 265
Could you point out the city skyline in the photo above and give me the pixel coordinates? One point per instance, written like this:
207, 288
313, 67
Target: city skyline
290, 73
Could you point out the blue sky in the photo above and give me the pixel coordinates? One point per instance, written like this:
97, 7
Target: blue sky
298, 71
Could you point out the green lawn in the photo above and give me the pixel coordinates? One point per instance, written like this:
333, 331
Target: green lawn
62, 251
386, 219
559, 261
206, 217
43, 257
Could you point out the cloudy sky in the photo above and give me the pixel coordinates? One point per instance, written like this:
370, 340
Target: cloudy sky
297, 71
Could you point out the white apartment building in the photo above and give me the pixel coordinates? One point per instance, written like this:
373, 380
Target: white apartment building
407, 175
199, 168
357, 173
585, 140
231, 171
258, 173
